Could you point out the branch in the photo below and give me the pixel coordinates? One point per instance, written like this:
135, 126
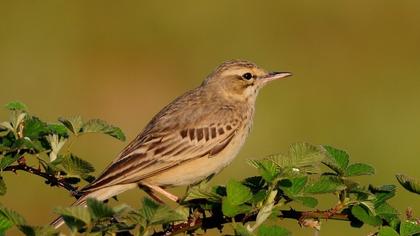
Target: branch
51, 179
216, 221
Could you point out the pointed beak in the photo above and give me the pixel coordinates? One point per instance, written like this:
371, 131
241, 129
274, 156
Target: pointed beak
274, 76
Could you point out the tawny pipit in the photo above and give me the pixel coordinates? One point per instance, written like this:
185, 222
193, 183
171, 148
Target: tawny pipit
193, 137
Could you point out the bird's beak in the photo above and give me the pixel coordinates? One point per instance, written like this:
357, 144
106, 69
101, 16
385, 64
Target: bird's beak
274, 76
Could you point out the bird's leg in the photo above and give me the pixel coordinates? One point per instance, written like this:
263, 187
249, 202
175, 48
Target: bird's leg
151, 193
153, 189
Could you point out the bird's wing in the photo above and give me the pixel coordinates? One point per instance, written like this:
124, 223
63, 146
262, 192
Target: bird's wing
160, 149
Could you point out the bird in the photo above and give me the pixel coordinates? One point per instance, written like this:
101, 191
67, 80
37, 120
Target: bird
193, 137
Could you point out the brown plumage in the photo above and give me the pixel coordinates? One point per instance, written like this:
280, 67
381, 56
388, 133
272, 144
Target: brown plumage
193, 137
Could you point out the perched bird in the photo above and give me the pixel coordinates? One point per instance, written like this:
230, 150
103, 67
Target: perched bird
192, 138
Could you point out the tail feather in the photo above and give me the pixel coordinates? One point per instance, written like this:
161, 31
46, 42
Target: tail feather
100, 194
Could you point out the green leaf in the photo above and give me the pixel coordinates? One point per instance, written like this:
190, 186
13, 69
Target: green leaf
357, 169
74, 124
237, 193
3, 187
98, 209
292, 187
156, 214
80, 213
408, 228
6, 161
230, 209
307, 201
38, 230
387, 231
363, 215
267, 168
58, 129
9, 218
202, 191
301, 158
34, 128
272, 230
382, 193
100, 126
409, 183
16, 106
74, 166
338, 159
325, 184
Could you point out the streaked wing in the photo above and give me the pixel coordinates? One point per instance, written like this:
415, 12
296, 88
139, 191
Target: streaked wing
160, 152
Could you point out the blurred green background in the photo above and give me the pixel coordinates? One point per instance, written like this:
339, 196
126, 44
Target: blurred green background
356, 80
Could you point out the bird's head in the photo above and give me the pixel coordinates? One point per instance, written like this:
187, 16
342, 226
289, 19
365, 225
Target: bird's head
240, 79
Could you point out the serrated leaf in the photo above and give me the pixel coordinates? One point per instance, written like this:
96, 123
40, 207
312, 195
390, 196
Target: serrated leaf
338, 159
80, 213
9, 218
325, 184
74, 124
358, 169
100, 126
301, 158
363, 215
56, 143
409, 183
3, 188
307, 201
6, 161
38, 230
16, 106
155, 214
237, 193
382, 193
387, 231
255, 183
98, 209
230, 209
34, 128
267, 168
58, 129
408, 228
293, 186
272, 230
75, 166
202, 191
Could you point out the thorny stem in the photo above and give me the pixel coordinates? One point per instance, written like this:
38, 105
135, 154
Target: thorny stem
51, 179
215, 221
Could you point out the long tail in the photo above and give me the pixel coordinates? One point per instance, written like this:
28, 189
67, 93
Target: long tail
100, 194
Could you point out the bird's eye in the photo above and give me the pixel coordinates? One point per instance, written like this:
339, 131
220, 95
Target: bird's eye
247, 76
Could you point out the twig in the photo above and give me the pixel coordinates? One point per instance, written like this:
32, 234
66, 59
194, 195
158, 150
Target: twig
215, 221
51, 179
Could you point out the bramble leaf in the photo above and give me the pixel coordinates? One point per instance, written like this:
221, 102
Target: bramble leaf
409, 183
38, 230
79, 213
338, 159
74, 166
100, 126
16, 106
357, 169
325, 184
34, 128
74, 124
237, 193
98, 209
363, 215
408, 228
387, 231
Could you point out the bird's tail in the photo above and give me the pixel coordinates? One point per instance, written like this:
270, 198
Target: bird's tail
100, 194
